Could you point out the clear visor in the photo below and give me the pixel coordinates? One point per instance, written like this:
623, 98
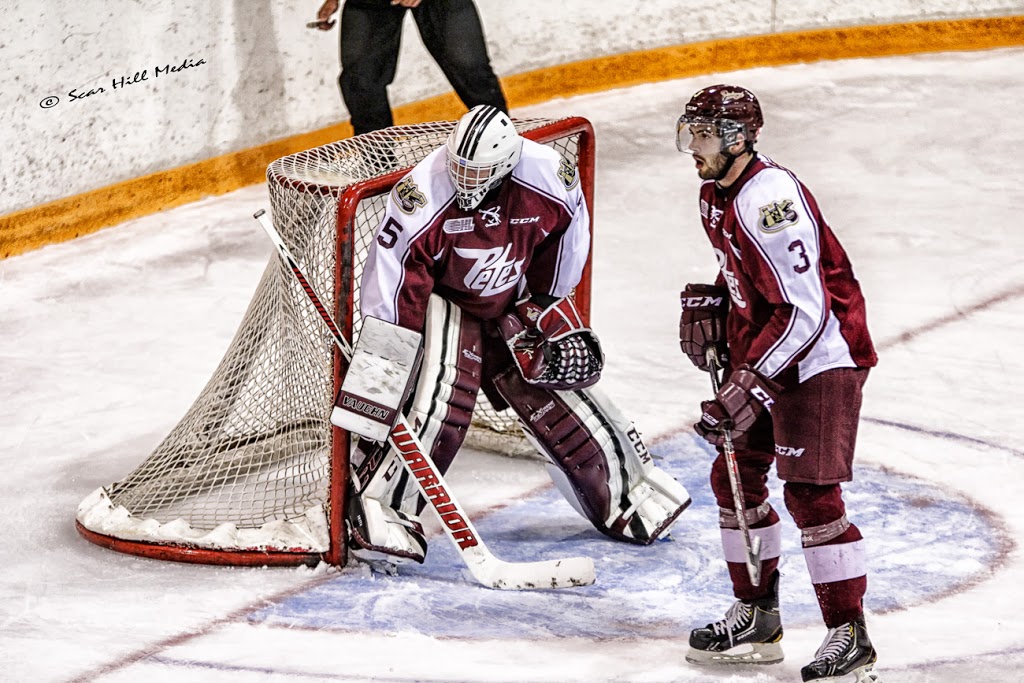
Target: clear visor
697, 135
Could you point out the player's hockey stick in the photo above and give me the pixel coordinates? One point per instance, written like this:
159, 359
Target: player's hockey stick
485, 567
751, 545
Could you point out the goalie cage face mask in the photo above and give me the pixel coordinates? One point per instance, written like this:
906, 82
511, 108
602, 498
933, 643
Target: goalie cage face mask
483, 148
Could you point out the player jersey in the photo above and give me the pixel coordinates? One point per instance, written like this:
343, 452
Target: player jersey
532, 234
793, 297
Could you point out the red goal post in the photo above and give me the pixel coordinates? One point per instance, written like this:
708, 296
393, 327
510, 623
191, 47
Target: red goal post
254, 473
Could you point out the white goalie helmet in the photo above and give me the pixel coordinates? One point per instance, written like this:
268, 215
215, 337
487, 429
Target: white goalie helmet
483, 148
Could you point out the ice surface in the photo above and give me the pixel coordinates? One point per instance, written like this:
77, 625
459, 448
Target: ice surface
917, 163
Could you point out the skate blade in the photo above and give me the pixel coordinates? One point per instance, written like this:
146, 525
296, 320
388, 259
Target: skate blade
865, 674
757, 653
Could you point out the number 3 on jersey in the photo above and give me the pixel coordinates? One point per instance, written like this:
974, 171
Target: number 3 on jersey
389, 233
798, 247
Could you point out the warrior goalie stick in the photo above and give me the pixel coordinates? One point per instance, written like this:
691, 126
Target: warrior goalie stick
485, 567
752, 546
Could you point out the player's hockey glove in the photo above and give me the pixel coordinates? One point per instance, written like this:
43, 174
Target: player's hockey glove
737, 405
552, 347
702, 323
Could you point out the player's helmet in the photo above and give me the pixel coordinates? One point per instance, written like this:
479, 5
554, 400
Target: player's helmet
482, 150
732, 110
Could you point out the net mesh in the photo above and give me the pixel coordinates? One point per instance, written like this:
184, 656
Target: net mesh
255, 447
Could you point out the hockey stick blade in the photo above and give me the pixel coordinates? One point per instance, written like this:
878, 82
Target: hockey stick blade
487, 569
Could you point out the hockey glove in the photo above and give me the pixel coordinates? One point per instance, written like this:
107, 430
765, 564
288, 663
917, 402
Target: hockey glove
737, 405
702, 323
551, 346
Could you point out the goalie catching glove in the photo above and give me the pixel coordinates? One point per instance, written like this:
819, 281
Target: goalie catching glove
552, 347
737, 405
702, 323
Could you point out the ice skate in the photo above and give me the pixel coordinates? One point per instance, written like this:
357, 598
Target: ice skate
846, 655
749, 634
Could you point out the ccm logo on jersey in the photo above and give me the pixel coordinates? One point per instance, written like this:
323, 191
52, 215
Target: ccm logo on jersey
788, 451
521, 221
778, 216
472, 356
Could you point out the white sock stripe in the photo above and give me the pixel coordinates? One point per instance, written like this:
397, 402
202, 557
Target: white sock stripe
830, 563
771, 543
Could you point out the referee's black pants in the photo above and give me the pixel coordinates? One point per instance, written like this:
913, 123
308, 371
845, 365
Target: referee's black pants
371, 33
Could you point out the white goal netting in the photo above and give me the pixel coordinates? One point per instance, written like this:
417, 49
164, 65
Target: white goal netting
249, 466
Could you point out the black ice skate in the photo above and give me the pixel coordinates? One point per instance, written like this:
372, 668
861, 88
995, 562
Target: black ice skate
749, 634
847, 651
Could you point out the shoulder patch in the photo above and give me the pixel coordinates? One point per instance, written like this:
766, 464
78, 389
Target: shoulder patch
778, 215
408, 196
567, 172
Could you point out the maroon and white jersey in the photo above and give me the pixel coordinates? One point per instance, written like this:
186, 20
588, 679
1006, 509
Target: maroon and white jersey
794, 298
534, 233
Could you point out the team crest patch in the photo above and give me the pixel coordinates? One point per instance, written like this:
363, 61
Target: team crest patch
778, 216
408, 196
457, 225
567, 172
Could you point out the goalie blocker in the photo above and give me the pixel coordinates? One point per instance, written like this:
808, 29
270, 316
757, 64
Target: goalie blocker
595, 454
377, 382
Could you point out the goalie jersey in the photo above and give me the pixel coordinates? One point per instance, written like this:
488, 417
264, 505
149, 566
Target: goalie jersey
532, 233
794, 302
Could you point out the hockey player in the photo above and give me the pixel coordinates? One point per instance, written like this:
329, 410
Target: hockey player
788, 315
479, 249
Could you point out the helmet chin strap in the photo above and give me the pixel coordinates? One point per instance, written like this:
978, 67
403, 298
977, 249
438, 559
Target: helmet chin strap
731, 160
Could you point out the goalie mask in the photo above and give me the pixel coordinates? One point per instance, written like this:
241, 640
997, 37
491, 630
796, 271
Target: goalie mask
482, 150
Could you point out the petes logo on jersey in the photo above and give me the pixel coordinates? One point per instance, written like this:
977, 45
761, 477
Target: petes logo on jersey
492, 272
778, 216
492, 217
730, 280
408, 196
457, 225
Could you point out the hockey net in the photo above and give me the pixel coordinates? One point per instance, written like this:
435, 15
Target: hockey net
254, 473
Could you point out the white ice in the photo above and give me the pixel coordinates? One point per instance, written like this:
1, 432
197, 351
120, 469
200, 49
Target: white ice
918, 163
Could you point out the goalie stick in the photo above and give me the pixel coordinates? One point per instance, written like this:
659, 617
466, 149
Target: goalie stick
752, 546
485, 567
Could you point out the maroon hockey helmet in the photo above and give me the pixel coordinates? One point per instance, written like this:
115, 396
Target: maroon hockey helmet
730, 108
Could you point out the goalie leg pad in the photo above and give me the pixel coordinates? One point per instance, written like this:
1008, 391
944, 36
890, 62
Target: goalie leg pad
603, 467
384, 519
